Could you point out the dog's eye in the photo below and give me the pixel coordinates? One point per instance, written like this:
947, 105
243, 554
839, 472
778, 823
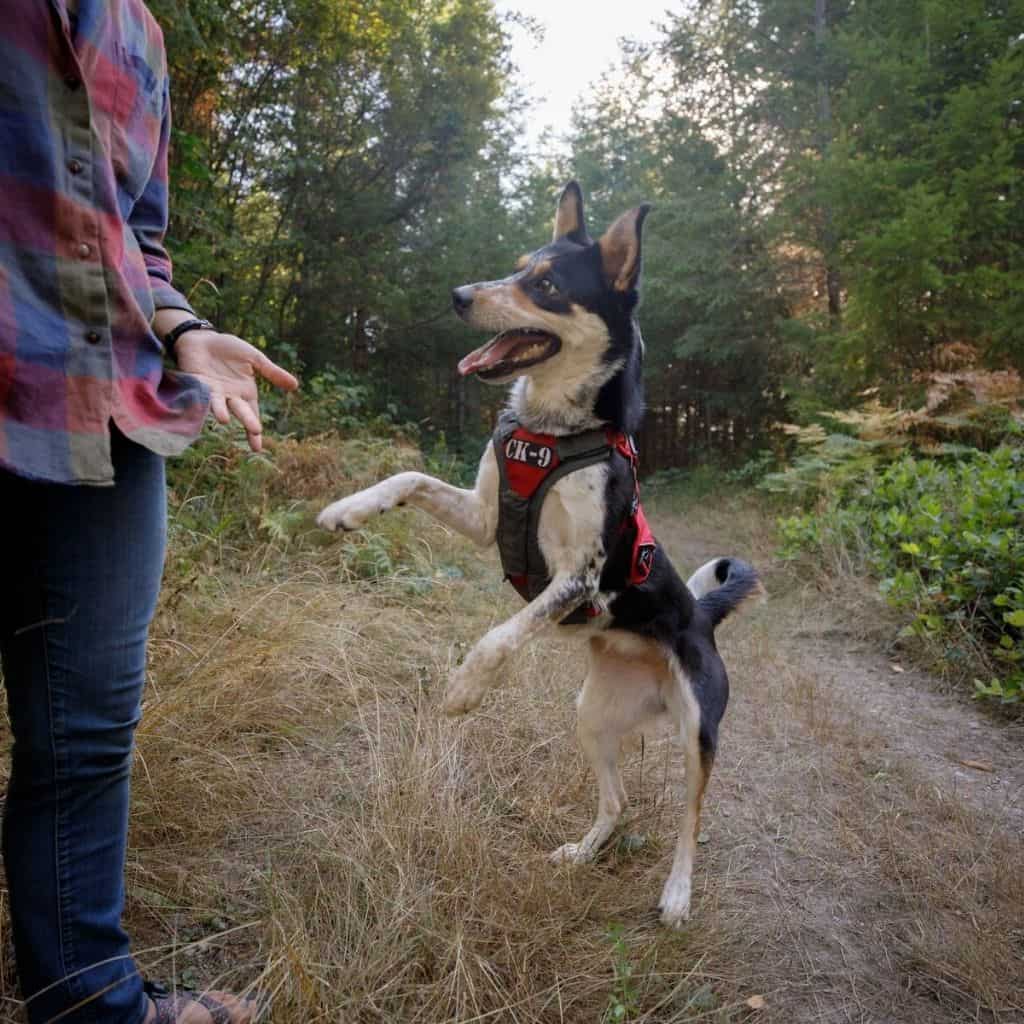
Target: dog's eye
546, 286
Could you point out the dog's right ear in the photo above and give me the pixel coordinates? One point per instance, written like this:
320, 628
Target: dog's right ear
569, 221
620, 249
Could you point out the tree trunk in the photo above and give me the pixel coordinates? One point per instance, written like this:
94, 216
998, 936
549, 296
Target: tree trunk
833, 285
360, 344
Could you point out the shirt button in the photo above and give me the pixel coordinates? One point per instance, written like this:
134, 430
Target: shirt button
72, 82
84, 250
74, 167
93, 337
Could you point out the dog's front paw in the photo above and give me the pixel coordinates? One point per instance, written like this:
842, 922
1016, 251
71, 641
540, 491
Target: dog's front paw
464, 693
675, 903
352, 512
349, 513
460, 700
470, 682
570, 853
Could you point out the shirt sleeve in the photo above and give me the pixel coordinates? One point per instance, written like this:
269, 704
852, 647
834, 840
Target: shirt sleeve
148, 222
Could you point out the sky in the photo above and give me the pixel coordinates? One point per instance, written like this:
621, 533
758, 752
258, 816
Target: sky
580, 41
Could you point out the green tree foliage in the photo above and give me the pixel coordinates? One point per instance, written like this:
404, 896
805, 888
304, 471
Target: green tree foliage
881, 144
924, 176
711, 300
836, 183
316, 145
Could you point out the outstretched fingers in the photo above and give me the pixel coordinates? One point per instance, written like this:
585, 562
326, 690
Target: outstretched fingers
247, 413
276, 375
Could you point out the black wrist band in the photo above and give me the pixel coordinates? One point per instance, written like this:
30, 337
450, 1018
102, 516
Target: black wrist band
195, 324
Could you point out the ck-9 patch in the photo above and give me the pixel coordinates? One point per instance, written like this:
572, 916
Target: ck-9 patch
529, 458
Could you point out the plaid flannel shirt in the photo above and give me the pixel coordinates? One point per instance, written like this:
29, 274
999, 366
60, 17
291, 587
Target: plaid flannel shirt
84, 126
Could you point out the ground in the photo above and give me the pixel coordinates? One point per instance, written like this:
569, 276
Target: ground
867, 823
305, 820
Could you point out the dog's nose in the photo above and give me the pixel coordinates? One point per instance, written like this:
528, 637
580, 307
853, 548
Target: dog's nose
462, 298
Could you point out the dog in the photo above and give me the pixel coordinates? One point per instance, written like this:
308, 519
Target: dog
562, 470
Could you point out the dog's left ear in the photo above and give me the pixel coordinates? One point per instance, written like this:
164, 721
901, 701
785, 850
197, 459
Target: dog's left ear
569, 221
620, 249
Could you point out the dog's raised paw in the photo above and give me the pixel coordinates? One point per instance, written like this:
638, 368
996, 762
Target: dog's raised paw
466, 688
341, 515
461, 703
461, 697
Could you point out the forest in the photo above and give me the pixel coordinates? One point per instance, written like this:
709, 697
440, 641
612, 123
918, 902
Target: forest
836, 183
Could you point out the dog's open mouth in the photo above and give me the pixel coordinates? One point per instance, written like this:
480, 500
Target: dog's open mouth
510, 352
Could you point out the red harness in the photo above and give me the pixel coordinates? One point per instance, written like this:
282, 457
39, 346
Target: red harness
526, 461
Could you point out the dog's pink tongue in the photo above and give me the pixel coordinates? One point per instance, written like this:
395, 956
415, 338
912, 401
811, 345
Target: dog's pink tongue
488, 355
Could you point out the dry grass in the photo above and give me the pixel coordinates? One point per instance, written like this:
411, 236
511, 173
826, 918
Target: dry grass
306, 823
395, 862
296, 777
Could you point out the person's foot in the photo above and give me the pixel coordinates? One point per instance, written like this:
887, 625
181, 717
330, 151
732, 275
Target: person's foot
198, 1007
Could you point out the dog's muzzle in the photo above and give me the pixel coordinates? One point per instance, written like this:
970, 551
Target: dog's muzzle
462, 299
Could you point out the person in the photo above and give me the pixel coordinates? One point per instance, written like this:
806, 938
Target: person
88, 413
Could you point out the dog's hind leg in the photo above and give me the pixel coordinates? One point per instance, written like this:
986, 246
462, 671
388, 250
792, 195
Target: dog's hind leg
600, 740
619, 694
698, 740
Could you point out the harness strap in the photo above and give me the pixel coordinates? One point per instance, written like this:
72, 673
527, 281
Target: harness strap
519, 516
540, 462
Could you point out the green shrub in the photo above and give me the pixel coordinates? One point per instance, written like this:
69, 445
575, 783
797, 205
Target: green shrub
327, 402
946, 541
451, 465
230, 509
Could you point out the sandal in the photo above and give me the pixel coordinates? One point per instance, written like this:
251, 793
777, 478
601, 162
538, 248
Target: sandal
171, 1007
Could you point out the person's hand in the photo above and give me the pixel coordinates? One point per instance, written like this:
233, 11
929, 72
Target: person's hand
229, 367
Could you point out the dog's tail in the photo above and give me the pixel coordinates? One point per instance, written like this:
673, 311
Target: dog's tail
722, 585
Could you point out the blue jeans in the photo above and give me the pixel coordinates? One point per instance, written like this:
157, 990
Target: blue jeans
81, 574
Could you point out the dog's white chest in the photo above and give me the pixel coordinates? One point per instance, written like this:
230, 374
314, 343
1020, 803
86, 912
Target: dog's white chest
571, 523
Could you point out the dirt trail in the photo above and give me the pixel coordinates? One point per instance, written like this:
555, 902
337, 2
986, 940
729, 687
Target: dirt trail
865, 829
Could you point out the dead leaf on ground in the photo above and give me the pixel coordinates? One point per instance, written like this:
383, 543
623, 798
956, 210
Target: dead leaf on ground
978, 766
756, 1002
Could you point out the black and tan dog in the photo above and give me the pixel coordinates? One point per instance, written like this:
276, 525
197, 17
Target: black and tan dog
557, 491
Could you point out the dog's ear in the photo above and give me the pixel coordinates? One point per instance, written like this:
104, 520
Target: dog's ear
620, 249
569, 221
